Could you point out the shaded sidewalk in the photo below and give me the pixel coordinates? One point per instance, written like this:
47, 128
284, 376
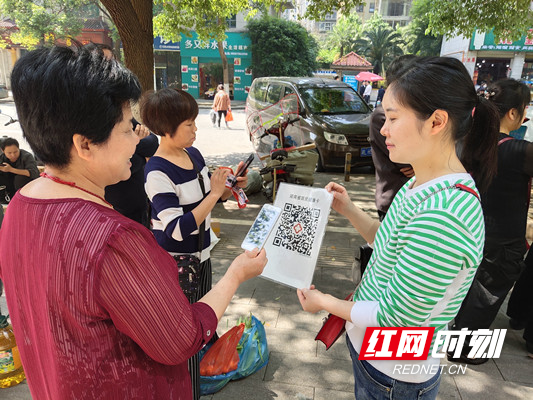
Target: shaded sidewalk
300, 368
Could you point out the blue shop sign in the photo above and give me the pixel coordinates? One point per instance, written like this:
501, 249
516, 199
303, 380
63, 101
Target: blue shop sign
168, 45
350, 80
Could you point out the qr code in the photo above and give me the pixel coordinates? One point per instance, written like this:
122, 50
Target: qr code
297, 229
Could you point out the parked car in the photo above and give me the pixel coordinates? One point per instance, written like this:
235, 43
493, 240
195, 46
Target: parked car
3, 92
330, 113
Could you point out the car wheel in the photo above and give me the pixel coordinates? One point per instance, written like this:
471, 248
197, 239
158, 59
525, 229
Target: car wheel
319, 166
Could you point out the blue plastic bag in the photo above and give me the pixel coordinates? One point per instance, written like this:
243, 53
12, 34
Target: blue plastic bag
253, 355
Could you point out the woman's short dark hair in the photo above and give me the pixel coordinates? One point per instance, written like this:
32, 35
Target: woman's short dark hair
9, 142
443, 83
163, 111
507, 94
61, 91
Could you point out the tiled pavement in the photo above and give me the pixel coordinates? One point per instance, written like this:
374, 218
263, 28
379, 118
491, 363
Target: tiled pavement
300, 368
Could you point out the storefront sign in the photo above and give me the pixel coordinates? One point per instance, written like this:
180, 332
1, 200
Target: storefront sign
162, 44
196, 52
487, 41
236, 45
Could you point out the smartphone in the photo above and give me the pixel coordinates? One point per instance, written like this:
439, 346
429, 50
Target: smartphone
261, 228
247, 163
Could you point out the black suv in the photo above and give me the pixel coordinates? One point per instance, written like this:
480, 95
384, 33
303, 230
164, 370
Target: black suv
329, 112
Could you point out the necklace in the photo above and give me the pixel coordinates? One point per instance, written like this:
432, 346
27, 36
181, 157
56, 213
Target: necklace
72, 184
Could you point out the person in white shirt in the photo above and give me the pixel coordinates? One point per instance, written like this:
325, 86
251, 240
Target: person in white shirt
368, 92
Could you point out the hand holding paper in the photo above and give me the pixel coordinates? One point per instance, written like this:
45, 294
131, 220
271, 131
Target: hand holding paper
341, 201
310, 299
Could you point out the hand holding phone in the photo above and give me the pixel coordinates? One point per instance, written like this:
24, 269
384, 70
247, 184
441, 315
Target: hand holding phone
261, 228
247, 163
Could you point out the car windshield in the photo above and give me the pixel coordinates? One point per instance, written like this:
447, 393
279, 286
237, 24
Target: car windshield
333, 100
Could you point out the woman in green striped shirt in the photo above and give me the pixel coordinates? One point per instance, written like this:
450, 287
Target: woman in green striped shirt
430, 243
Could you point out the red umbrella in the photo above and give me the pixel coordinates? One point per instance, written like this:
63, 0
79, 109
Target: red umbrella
368, 76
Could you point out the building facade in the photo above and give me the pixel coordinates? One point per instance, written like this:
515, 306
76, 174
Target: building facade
488, 58
395, 12
201, 65
195, 65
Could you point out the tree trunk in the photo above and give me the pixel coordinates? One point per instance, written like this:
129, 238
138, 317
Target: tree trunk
133, 19
225, 67
116, 49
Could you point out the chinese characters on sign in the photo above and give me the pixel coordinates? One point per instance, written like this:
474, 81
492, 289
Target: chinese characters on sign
212, 44
304, 198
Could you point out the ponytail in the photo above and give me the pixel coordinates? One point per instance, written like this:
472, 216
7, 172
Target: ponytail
480, 152
474, 120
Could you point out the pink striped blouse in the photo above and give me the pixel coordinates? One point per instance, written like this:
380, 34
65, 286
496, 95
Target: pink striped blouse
95, 304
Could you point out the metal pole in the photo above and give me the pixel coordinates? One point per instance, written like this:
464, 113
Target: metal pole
347, 166
275, 172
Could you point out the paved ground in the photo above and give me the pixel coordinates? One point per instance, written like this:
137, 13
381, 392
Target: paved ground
300, 368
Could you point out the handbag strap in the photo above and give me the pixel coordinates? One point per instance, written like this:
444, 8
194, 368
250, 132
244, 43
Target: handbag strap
201, 228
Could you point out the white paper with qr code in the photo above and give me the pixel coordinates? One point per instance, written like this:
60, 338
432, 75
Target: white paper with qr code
294, 243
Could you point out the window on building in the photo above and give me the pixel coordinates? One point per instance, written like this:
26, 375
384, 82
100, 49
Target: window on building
167, 69
360, 8
371, 7
325, 26
231, 22
396, 9
332, 15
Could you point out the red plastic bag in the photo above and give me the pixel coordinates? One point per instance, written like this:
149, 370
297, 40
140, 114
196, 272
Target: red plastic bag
252, 353
223, 356
229, 116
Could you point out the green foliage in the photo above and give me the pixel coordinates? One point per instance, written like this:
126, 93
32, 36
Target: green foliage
326, 56
343, 35
419, 40
380, 44
375, 22
206, 17
281, 48
509, 18
41, 22
317, 9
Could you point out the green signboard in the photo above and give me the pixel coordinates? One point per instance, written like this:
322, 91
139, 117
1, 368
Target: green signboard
195, 52
487, 41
